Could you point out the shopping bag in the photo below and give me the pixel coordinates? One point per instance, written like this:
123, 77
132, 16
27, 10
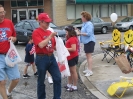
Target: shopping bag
63, 67
12, 56
62, 51
123, 63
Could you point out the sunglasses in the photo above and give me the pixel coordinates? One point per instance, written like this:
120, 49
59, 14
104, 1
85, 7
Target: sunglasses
69, 28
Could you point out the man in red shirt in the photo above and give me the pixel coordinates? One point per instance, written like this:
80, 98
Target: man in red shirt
44, 45
7, 32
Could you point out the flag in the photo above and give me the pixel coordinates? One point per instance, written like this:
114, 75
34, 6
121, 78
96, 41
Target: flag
32, 51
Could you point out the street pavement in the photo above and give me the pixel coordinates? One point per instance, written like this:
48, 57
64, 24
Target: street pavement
93, 87
104, 75
27, 88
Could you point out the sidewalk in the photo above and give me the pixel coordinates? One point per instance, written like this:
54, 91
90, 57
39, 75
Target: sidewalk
104, 75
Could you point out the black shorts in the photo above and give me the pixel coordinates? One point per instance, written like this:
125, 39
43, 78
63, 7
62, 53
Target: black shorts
89, 47
73, 61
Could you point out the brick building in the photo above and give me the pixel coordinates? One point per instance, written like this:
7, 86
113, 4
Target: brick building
65, 11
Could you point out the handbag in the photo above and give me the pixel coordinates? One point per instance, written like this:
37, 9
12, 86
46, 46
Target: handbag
12, 56
123, 63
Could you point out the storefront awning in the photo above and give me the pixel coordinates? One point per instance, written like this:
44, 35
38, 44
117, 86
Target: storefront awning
103, 1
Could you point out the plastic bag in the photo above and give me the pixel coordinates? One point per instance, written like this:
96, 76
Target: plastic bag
12, 56
62, 51
63, 67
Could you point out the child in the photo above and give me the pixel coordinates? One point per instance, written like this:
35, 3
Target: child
72, 44
29, 58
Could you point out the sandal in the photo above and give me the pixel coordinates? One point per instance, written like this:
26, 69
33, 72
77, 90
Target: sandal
66, 87
71, 89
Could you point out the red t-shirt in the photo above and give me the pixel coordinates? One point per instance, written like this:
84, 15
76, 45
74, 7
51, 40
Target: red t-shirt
6, 30
69, 42
38, 36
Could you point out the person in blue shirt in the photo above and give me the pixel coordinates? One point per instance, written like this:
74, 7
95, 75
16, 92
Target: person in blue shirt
29, 57
87, 37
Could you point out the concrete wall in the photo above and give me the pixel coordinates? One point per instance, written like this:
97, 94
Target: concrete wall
60, 12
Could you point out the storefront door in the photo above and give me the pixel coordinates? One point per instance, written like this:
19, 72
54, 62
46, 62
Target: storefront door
26, 14
32, 13
22, 14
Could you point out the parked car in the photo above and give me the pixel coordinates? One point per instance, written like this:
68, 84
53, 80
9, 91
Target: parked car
99, 25
25, 28
125, 24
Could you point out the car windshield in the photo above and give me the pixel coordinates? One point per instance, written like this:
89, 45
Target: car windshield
127, 19
78, 21
36, 24
96, 20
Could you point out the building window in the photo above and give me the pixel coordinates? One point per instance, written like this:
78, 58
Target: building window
40, 2
79, 9
118, 9
124, 10
70, 11
2, 3
24, 3
88, 8
40, 11
111, 9
95, 10
13, 3
103, 10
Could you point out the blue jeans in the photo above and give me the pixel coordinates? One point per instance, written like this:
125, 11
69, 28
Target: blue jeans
43, 64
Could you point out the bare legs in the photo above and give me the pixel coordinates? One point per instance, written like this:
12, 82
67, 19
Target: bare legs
33, 68
88, 71
89, 60
72, 80
3, 89
12, 85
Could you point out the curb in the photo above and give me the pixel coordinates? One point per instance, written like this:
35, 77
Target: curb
88, 83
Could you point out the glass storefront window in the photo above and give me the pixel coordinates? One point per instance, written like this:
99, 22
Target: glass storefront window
13, 3
40, 11
24, 3
32, 3
40, 2
21, 3
2, 3
14, 16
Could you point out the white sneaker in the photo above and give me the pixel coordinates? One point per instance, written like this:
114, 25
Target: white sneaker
8, 94
85, 71
50, 80
90, 73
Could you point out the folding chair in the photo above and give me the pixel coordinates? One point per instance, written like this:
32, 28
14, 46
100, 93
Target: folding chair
108, 46
128, 41
120, 87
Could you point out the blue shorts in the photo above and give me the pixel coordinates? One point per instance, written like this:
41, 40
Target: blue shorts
89, 47
6, 71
